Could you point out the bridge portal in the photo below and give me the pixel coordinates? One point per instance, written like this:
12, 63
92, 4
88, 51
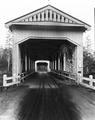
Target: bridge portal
48, 34
42, 66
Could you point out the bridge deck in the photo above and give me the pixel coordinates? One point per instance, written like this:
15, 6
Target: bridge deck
45, 97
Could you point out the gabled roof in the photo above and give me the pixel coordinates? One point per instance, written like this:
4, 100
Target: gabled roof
48, 15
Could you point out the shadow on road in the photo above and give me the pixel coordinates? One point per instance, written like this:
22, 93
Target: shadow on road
48, 104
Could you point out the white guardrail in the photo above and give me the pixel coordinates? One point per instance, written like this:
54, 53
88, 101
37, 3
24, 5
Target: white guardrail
9, 81
14, 80
88, 82
84, 81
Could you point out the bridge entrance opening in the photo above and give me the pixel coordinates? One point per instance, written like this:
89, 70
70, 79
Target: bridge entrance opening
42, 66
46, 55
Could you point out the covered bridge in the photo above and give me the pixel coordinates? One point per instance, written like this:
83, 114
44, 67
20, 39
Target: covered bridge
47, 34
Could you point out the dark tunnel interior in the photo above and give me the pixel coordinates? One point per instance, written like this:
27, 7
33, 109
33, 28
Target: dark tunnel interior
42, 49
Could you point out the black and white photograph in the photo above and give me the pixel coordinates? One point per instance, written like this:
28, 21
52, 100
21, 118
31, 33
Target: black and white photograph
47, 60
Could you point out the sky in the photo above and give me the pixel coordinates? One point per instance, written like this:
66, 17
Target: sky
81, 9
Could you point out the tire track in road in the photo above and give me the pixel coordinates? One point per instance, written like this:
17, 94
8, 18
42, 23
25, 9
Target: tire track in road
48, 104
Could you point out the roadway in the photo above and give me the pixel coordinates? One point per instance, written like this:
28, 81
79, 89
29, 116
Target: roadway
48, 100
45, 97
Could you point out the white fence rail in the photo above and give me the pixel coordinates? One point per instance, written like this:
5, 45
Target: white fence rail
14, 80
9, 81
88, 82
84, 81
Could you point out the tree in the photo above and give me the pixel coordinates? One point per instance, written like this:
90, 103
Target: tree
9, 45
88, 63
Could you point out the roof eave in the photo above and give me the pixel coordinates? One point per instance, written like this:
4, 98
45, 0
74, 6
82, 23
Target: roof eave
85, 26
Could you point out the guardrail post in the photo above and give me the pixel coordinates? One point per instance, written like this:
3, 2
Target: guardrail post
4, 79
79, 78
19, 78
14, 78
91, 80
22, 75
91, 76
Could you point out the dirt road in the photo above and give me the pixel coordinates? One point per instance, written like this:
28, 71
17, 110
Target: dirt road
43, 97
